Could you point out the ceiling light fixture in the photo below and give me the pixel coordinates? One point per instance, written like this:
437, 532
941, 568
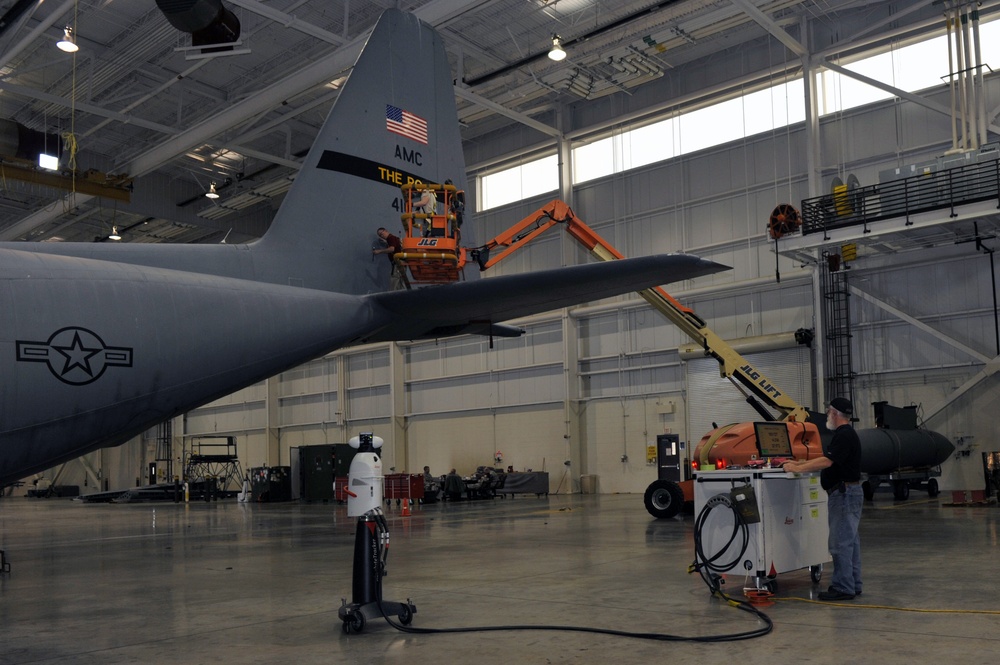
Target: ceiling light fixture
114, 234
557, 53
68, 42
211, 193
49, 162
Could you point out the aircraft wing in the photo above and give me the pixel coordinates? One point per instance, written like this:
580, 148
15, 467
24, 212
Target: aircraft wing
476, 307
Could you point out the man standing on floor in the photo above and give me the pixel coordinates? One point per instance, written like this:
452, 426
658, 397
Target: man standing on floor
840, 476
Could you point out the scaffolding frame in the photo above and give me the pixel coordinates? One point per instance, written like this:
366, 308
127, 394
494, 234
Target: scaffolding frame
214, 458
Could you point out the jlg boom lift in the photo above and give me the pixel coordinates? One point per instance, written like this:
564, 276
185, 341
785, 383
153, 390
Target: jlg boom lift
733, 444
430, 251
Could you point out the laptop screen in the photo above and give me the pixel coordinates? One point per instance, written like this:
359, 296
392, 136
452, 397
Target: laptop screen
772, 439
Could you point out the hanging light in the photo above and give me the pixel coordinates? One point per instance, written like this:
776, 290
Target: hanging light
557, 53
68, 42
211, 193
114, 234
49, 162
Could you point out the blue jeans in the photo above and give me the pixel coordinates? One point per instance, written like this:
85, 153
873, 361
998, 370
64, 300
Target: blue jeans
845, 543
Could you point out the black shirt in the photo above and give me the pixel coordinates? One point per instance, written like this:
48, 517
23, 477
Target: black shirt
844, 451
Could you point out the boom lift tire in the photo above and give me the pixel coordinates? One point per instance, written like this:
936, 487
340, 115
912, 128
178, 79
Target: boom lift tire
663, 499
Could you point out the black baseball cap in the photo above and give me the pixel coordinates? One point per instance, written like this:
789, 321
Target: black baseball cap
843, 405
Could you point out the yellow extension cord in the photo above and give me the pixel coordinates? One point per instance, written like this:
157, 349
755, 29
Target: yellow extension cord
886, 607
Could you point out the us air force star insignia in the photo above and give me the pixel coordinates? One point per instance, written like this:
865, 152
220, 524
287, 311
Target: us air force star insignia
75, 356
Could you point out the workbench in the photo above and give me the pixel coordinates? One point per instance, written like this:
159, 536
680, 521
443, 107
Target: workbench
526, 482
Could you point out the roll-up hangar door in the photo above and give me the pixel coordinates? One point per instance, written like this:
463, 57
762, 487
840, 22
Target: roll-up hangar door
712, 398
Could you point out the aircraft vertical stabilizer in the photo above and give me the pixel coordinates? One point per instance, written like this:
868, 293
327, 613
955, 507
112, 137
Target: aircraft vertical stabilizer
395, 122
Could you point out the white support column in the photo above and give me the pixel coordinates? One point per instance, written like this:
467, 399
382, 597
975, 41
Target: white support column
272, 427
397, 389
342, 415
814, 178
565, 158
177, 445
811, 101
571, 403
819, 335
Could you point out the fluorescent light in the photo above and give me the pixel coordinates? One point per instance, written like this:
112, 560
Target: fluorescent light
49, 162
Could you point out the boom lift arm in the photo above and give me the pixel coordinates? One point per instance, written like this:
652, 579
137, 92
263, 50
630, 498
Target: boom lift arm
751, 382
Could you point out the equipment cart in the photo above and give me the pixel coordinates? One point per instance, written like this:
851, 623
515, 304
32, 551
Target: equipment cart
404, 486
761, 522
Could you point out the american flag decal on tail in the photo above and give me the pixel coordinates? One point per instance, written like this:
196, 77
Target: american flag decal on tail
405, 123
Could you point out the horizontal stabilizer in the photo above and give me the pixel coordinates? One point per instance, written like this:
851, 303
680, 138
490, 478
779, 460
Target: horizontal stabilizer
460, 307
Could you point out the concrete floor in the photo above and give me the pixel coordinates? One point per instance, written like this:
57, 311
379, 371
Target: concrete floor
230, 583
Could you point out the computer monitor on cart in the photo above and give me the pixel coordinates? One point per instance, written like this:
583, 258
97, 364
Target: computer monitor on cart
772, 440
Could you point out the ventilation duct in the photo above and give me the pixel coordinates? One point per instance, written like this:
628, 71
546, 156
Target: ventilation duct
20, 142
207, 20
759, 344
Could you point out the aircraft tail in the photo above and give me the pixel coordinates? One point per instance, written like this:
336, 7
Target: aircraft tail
394, 122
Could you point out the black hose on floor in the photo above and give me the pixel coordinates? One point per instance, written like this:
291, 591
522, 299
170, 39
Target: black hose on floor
706, 566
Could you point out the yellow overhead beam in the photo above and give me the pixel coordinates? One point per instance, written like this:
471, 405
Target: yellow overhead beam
92, 182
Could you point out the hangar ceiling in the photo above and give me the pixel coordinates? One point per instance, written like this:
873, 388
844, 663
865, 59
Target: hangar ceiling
148, 108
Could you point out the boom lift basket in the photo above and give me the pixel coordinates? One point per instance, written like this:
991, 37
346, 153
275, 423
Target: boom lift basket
430, 252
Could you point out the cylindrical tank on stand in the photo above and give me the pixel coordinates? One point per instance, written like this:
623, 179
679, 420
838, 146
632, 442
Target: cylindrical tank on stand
887, 450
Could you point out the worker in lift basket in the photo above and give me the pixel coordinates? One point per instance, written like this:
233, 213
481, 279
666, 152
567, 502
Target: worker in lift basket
425, 204
840, 476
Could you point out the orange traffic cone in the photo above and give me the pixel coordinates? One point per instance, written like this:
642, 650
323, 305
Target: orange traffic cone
406, 508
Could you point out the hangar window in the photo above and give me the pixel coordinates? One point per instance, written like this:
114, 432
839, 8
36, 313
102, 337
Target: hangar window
905, 68
520, 182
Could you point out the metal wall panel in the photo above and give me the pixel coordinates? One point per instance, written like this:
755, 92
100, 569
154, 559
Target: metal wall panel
312, 409
236, 417
530, 437
369, 402
368, 368
317, 376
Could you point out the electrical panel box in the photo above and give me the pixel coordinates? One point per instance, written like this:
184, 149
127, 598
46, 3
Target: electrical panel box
671, 459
